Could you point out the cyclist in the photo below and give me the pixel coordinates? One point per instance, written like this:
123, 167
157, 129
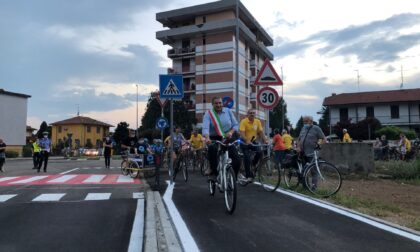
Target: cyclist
309, 137
250, 128
287, 139
143, 148
220, 123
178, 140
279, 146
129, 143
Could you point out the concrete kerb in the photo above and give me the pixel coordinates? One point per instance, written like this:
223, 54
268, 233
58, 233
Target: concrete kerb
160, 233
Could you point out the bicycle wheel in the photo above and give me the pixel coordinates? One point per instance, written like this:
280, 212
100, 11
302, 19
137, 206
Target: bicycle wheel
124, 167
290, 177
323, 182
230, 190
204, 166
212, 187
133, 169
184, 167
269, 174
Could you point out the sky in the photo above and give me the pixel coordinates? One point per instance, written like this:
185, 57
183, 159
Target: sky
93, 55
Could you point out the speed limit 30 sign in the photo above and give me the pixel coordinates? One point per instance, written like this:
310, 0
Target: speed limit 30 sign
267, 97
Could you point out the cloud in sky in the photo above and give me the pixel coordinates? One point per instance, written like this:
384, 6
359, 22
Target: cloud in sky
92, 52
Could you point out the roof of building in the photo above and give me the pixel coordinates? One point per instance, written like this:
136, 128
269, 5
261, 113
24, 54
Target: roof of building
402, 95
2, 91
29, 128
82, 120
167, 18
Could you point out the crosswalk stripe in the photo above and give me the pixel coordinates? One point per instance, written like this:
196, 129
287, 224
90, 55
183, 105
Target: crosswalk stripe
94, 179
49, 197
124, 179
4, 198
138, 195
62, 179
7, 178
28, 180
98, 196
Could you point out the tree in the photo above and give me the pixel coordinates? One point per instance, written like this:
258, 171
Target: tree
42, 128
362, 130
120, 134
276, 116
324, 121
182, 117
299, 126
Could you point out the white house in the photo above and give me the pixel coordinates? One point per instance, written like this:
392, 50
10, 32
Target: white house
13, 115
399, 108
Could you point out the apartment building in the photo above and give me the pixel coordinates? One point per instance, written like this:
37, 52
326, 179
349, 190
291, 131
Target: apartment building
203, 41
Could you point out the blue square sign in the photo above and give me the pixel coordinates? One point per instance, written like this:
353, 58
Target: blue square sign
171, 86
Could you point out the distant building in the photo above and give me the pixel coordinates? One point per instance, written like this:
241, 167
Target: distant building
203, 40
82, 130
29, 133
399, 108
13, 116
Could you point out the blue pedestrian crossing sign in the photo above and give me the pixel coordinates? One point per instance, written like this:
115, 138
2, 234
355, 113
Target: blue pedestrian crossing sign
162, 123
171, 86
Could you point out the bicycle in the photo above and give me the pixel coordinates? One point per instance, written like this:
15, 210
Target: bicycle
182, 161
318, 176
133, 165
226, 179
267, 169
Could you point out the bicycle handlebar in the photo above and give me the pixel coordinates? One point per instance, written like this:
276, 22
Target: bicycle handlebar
227, 144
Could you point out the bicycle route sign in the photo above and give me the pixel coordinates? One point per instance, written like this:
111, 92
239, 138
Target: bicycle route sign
162, 123
228, 102
171, 86
268, 97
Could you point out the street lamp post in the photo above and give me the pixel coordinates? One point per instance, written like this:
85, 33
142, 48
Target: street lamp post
137, 109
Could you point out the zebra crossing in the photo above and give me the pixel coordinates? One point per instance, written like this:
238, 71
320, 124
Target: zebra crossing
68, 179
56, 197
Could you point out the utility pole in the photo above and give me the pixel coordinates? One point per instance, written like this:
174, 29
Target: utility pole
137, 109
358, 80
237, 62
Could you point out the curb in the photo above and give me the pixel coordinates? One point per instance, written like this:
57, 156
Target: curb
160, 234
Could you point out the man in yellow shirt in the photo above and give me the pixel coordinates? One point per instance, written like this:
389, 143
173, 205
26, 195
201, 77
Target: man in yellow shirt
405, 146
346, 137
250, 128
287, 139
196, 140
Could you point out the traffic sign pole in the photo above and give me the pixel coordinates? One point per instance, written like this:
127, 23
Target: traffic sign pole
171, 162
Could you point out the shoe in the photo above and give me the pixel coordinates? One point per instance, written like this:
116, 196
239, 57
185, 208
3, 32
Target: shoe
208, 172
249, 180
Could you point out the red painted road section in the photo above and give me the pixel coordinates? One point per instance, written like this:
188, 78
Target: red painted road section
77, 180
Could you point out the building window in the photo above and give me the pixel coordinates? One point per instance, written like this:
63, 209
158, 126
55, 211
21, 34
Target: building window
204, 59
344, 114
88, 129
59, 129
370, 112
395, 111
98, 129
204, 40
246, 83
204, 19
204, 98
204, 78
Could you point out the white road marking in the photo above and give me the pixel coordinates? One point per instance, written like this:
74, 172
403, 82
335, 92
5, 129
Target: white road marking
98, 196
49, 197
184, 234
94, 179
138, 195
6, 197
62, 179
352, 214
69, 171
7, 178
29, 180
136, 238
124, 179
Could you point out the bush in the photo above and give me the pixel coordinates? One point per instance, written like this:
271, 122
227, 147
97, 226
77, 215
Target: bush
400, 169
26, 151
393, 133
12, 154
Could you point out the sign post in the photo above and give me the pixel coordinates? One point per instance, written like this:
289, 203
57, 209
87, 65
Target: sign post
267, 98
171, 87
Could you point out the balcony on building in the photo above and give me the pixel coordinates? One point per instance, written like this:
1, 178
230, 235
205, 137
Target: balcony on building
181, 52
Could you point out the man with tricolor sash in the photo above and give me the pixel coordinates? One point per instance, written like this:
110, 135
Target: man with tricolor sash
220, 123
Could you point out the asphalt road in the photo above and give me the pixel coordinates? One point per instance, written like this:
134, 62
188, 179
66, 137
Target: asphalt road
76, 213
265, 221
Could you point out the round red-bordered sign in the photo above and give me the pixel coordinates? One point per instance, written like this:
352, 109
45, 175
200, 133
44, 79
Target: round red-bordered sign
268, 97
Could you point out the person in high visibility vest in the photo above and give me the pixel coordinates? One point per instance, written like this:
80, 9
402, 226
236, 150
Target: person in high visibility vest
346, 137
36, 153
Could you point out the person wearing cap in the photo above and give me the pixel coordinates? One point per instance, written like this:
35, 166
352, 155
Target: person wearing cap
2, 154
346, 136
45, 144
